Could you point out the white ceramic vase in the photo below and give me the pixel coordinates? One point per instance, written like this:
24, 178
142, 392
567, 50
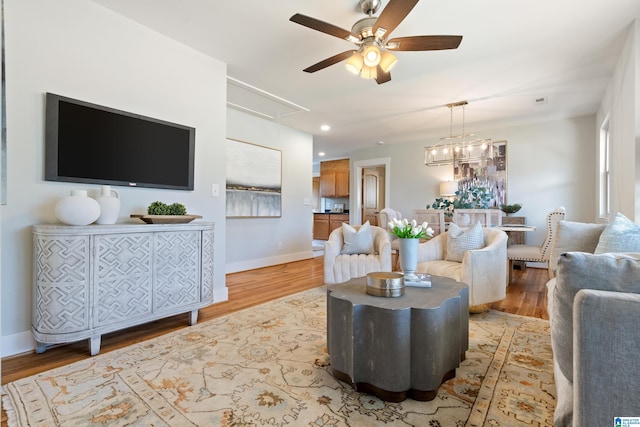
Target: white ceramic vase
109, 201
77, 209
409, 257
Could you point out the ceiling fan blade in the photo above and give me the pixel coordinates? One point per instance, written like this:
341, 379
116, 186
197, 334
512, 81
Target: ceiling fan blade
329, 61
392, 15
323, 27
381, 76
424, 43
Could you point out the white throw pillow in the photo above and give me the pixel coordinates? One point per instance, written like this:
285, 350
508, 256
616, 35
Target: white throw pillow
460, 241
357, 241
574, 237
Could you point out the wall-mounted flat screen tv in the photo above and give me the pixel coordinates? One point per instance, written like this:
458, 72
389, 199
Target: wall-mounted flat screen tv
91, 143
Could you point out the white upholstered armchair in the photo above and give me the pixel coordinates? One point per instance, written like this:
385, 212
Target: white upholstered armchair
340, 267
484, 270
385, 217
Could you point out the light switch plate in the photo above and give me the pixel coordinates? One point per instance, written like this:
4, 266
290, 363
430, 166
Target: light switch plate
215, 190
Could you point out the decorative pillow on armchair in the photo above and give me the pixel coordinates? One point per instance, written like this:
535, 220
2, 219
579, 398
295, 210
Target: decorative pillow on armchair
357, 241
622, 235
618, 272
574, 237
460, 241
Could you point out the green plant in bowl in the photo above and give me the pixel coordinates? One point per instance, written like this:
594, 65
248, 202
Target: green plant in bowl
510, 209
159, 208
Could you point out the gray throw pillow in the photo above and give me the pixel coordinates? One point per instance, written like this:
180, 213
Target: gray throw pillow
574, 237
460, 241
622, 235
618, 272
357, 241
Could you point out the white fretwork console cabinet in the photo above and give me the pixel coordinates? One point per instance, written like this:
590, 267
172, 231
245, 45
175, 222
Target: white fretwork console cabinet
91, 280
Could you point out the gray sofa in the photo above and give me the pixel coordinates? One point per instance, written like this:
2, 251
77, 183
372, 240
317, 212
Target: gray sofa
594, 310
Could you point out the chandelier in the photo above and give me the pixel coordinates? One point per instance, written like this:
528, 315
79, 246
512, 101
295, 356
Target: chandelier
464, 147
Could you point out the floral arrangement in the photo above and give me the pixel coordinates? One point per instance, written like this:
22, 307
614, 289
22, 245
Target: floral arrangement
410, 230
474, 197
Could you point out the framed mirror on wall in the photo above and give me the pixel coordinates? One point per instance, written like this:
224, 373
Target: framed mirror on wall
486, 167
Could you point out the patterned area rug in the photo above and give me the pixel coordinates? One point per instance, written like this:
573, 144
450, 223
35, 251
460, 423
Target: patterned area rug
267, 366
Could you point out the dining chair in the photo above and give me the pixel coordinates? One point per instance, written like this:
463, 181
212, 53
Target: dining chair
434, 217
532, 253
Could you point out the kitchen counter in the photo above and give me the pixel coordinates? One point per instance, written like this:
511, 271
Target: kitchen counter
333, 213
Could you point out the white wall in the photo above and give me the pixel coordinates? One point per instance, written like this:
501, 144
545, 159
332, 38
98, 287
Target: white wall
550, 164
81, 50
621, 105
253, 242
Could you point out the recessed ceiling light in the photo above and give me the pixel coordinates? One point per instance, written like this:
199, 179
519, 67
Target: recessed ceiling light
380, 142
325, 127
321, 154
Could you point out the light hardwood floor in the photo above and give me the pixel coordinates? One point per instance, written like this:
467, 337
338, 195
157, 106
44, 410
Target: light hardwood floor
526, 295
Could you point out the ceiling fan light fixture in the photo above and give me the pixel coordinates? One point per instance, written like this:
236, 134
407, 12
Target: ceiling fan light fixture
371, 55
371, 35
354, 63
387, 61
369, 72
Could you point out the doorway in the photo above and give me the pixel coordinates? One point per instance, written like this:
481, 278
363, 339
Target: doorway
372, 193
383, 166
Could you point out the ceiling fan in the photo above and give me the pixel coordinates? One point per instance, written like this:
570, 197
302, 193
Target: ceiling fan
373, 59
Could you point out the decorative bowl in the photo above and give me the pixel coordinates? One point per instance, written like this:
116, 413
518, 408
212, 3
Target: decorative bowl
511, 209
385, 284
166, 219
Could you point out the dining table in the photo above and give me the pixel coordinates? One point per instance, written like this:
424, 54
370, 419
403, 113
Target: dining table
516, 227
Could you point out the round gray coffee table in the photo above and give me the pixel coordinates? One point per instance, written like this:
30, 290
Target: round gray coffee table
398, 347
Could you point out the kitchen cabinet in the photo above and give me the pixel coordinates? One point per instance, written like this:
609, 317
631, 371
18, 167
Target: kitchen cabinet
334, 178
324, 224
336, 220
320, 226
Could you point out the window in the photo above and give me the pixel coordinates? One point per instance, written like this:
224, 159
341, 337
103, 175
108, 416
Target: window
605, 182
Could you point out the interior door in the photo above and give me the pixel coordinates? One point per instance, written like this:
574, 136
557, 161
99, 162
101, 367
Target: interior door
370, 199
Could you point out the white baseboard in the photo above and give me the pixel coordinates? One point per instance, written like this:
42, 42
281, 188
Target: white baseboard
537, 265
266, 262
220, 295
22, 342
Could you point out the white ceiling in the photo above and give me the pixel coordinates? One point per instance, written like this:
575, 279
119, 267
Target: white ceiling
512, 53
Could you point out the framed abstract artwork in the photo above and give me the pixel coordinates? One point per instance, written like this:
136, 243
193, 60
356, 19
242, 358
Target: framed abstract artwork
488, 170
254, 180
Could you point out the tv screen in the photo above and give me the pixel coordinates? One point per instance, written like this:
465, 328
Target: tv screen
90, 143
